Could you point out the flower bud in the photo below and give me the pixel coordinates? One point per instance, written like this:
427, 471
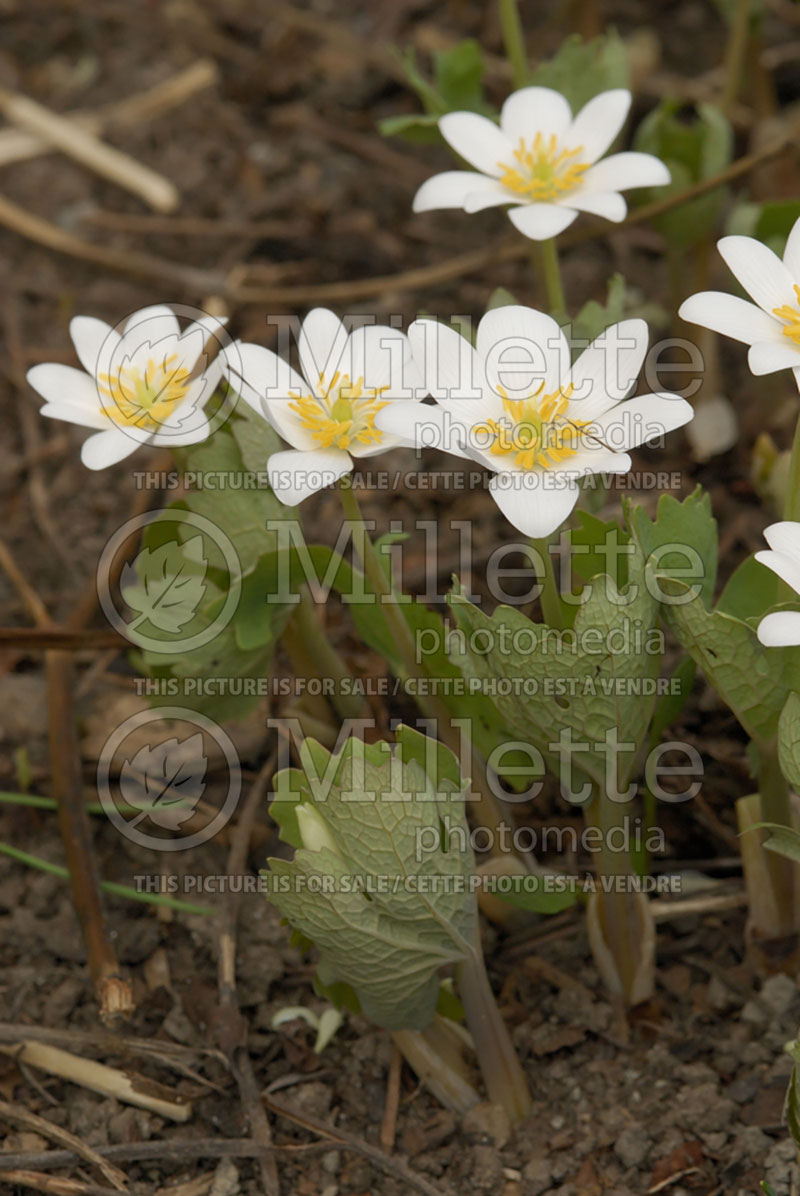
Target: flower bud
314, 830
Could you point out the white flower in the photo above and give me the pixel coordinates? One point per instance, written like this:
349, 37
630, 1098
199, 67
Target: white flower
515, 405
542, 160
137, 388
782, 629
327, 413
771, 325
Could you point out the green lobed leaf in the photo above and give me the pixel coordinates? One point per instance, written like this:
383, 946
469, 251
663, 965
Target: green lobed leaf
783, 840
594, 679
693, 150
789, 741
385, 915
581, 69
593, 318
751, 590
684, 525
753, 680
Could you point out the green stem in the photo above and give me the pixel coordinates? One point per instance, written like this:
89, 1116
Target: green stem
552, 278
619, 911
550, 598
792, 501
328, 661
773, 789
734, 55
488, 809
514, 41
502, 1073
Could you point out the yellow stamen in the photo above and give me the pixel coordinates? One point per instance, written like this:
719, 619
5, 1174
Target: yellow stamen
536, 430
791, 317
144, 399
342, 413
543, 171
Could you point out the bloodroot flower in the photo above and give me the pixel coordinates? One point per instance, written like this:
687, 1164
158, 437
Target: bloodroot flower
515, 405
543, 160
140, 386
328, 412
771, 325
782, 628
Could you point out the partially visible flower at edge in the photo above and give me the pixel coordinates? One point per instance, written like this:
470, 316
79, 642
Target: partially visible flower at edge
781, 629
771, 325
542, 160
136, 387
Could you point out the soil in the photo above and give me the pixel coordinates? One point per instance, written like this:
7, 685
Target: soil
686, 1095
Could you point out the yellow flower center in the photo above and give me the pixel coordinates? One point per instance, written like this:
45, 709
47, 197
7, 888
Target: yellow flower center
542, 170
791, 317
536, 430
144, 399
342, 414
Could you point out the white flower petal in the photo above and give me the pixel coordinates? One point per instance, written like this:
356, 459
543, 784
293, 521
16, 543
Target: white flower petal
197, 431
494, 195
639, 420
787, 567
628, 169
451, 189
420, 425
593, 457
453, 373
731, 316
64, 384
608, 204
606, 372
321, 344
760, 271
766, 357
780, 630
533, 110
208, 330
540, 221
477, 140
784, 537
71, 413
381, 355
295, 475
532, 503
598, 123
95, 343
791, 254
109, 447
265, 383
523, 350
157, 323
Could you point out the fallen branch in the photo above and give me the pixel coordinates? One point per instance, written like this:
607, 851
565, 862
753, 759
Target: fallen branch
84, 147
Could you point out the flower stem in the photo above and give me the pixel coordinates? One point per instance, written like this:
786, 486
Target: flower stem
792, 501
773, 789
514, 41
552, 278
550, 599
502, 1072
623, 931
488, 810
327, 661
